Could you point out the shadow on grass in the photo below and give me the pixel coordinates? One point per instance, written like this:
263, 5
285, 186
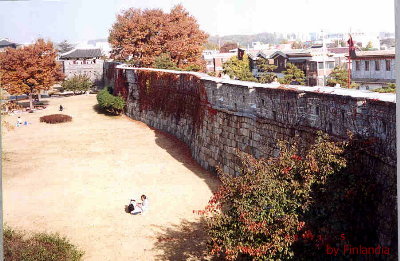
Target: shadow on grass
186, 241
182, 153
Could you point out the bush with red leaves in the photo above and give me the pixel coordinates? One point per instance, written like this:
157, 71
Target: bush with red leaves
55, 118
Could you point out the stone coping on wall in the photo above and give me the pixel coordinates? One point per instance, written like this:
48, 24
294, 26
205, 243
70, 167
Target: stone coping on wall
359, 94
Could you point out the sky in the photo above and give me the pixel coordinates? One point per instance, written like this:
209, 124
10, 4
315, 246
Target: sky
81, 20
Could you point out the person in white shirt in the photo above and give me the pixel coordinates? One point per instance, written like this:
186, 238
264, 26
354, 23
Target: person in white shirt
142, 207
19, 121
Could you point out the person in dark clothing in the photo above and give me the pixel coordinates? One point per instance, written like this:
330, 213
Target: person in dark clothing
61, 108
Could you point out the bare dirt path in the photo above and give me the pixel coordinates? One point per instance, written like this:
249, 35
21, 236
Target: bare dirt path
75, 178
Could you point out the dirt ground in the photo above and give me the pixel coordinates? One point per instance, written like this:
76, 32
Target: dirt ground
76, 178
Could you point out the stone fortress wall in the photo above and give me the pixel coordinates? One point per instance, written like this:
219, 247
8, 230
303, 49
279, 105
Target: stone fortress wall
253, 117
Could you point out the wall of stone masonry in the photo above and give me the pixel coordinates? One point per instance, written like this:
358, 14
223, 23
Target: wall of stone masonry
253, 118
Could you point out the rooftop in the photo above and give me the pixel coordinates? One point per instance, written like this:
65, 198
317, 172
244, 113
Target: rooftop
5, 43
82, 53
371, 54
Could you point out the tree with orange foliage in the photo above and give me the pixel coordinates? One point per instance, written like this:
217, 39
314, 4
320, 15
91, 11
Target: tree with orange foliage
136, 35
183, 38
30, 69
143, 35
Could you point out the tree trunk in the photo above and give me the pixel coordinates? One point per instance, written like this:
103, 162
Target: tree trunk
30, 101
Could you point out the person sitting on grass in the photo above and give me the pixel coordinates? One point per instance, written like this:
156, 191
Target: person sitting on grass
140, 208
19, 121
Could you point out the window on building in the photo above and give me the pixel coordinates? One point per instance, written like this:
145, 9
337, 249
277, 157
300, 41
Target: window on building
377, 65
357, 65
387, 65
330, 65
313, 66
367, 65
320, 66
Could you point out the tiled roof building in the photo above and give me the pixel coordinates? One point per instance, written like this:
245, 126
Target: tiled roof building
83, 61
81, 54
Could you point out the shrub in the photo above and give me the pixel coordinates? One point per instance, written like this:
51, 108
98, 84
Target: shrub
110, 103
55, 118
78, 84
259, 214
390, 88
39, 247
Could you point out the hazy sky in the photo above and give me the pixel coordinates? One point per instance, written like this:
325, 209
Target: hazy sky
79, 20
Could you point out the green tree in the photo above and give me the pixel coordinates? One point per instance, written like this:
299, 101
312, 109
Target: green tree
266, 75
78, 84
110, 103
293, 74
64, 47
369, 47
239, 69
339, 75
389, 88
164, 61
258, 214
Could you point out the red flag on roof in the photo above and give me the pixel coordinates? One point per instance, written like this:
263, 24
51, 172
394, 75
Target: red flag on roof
352, 48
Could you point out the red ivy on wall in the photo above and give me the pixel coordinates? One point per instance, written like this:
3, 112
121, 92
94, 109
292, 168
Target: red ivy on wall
121, 84
177, 95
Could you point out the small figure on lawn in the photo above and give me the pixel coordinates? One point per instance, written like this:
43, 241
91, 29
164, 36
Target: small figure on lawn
138, 208
61, 108
19, 121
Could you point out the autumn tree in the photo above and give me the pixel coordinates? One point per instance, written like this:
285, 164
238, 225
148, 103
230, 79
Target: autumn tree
238, 69
210, 46
226, 47
259, 215
183, 38
297, 45
143, 35
136, 36
30, 69
64, 47
284, 41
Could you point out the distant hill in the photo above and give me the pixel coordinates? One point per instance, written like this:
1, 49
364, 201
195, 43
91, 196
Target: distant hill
244, 40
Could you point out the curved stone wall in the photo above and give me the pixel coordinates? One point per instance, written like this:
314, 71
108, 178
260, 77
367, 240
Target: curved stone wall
253, 117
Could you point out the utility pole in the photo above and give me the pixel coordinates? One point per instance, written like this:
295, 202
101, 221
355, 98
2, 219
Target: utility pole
324, 55
1, 196
397, 26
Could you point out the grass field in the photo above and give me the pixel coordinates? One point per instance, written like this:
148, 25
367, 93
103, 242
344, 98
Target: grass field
75, 179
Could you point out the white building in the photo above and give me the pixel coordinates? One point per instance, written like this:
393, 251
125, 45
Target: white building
373, 69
